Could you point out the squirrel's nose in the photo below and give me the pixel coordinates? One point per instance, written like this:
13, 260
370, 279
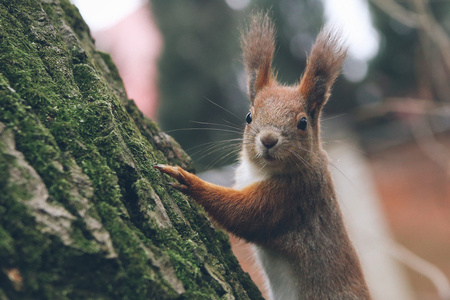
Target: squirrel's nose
269, 140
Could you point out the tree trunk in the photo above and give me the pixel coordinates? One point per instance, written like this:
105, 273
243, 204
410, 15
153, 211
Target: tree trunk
83, 215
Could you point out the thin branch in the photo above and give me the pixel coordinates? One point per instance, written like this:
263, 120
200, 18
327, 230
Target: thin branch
421, 19
421, 130
434, 31
430, 146
422, 266
397, 12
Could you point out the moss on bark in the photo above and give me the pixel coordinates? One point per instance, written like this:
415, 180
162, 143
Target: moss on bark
82, 213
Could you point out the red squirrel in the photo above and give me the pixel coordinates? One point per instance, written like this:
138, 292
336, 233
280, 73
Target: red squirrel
284, 201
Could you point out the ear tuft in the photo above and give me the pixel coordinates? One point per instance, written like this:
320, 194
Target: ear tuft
258, 46
323, 66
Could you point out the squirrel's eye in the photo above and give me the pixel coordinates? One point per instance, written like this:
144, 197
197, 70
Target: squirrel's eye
302, 124
248, 119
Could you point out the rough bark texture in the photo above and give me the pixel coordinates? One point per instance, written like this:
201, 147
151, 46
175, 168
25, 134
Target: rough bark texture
83, 215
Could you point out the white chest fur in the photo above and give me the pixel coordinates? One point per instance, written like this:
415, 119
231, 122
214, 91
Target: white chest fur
247, 174
279, 272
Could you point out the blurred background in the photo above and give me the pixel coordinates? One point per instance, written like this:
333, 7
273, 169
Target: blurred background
386, 125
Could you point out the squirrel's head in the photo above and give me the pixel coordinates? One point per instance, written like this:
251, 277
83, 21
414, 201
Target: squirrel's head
282, 131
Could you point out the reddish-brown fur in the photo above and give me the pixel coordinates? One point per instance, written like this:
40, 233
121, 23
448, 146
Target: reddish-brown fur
322, 69
292, 211
258, 46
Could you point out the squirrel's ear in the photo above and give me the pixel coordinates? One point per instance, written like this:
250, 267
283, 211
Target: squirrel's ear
322, 68
258, 46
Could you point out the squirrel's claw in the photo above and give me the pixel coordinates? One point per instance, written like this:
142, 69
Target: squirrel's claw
159, 166
174, 173
180, 187
171, 171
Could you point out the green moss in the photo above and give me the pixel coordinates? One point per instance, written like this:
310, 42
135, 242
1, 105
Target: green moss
89, 83
187, 271
114, 76
93, 150
6, 241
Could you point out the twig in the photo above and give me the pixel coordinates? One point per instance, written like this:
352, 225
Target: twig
430, 146
420, 127
434, 31
397, 12
421, 19
420, 265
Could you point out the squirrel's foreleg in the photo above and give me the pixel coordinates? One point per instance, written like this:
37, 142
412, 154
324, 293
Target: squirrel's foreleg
247, 213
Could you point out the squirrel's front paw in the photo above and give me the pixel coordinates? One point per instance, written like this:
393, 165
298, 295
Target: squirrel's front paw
176, 173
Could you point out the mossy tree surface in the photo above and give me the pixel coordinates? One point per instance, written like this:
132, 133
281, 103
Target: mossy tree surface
83, 215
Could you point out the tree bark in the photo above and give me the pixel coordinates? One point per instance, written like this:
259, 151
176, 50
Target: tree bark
83, 215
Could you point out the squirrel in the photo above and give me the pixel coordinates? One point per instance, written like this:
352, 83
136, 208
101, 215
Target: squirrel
284, 201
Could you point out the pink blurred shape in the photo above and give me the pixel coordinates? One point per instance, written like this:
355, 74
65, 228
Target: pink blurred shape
135, 44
